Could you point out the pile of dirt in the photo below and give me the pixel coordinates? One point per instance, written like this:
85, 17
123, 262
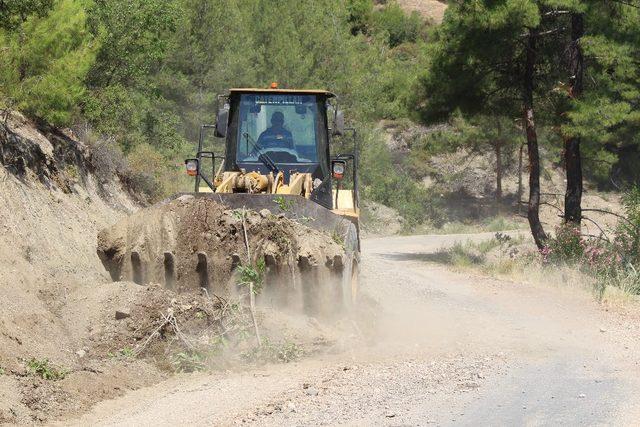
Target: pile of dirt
194, 331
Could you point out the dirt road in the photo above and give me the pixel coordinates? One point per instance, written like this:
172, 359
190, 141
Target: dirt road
446, 349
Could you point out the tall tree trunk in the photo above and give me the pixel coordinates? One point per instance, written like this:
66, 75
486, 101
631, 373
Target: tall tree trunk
498, 149
572, 160
533, 211
520, 179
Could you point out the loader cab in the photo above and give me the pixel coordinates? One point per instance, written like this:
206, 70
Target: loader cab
288, 128
273, 130
286, 133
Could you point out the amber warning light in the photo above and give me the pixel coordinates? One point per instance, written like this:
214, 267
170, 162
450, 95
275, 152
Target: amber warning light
192, 167
338, 168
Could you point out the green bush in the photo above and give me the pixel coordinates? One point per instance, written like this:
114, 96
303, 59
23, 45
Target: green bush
360, 13
400, 27
628, 233
568, 246
387, 182
189, 361
614, 262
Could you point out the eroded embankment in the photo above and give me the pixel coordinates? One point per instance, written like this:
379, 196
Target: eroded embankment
51, 207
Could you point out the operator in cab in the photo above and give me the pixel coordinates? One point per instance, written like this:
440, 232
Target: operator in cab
276, 136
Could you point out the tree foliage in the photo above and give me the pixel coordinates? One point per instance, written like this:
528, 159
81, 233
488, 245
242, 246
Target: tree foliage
146, 73
47, 61
15, 12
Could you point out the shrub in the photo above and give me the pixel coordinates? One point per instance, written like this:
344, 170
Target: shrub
568, 246
628, 232
625, 278
360, 12
613, 263
45, 370
189, 361
400, 27
388, 183
107, 159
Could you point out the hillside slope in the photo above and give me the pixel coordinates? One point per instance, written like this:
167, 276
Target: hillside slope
51, 208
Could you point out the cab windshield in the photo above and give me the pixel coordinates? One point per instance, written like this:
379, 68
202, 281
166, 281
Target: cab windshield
280, 126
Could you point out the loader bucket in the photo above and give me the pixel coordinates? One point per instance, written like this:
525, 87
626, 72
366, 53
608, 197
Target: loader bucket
198, 241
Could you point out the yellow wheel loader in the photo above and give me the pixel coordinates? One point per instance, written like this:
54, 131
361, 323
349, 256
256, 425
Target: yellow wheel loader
282, 199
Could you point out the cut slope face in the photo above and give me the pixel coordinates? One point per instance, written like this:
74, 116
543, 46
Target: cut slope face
48, 220
51, 208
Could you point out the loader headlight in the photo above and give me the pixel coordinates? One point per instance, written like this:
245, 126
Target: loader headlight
192, 167
338, 167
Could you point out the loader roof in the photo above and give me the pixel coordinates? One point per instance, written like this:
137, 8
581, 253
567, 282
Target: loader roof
281, 91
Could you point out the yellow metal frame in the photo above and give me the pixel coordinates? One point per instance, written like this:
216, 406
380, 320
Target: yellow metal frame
344, 204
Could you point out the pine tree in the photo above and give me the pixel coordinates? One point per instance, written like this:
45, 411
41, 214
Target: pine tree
46, 63
488, 57
13, 13
606, 118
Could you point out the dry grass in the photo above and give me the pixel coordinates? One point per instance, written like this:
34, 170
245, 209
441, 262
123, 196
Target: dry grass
492, 258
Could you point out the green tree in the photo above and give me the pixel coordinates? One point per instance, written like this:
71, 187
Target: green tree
606, 117
46, 63
397, 25
360, 14
13, 13
134, 36
489, 54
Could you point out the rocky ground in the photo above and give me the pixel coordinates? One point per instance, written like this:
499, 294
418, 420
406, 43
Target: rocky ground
430, 9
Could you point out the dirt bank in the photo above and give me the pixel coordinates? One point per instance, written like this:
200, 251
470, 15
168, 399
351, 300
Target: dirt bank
51, 208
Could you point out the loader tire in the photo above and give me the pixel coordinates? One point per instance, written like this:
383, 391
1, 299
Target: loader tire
350, 283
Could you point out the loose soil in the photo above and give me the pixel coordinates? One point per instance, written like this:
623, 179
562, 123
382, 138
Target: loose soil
191, 229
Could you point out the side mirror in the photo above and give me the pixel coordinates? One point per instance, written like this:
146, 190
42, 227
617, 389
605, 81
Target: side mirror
223, 122
338, 123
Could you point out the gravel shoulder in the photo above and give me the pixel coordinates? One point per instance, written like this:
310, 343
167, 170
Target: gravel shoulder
440, 348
